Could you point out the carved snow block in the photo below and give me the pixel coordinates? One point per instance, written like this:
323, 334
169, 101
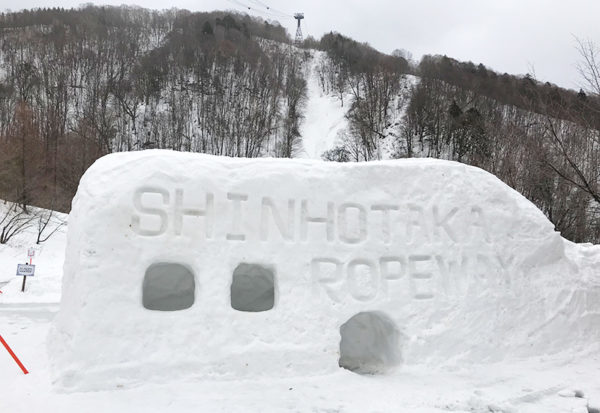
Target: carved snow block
188, 265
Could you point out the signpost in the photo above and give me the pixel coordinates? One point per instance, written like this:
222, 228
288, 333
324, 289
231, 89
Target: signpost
25, 270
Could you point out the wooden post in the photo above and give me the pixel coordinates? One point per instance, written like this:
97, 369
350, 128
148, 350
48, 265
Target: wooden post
23, 286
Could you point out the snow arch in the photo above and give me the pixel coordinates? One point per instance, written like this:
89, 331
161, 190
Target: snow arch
370, 343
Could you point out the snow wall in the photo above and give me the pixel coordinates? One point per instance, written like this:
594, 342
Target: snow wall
195, 266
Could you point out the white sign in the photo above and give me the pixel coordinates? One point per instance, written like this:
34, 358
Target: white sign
31, 252
25, 270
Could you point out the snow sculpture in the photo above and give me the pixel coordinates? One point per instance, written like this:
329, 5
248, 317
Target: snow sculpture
187, 265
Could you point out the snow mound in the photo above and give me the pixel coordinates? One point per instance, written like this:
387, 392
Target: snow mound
260, 267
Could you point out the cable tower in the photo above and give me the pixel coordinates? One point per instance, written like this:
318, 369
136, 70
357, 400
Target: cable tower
262, 8
299, 17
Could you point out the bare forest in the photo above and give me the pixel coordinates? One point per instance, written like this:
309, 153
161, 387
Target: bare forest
78, 84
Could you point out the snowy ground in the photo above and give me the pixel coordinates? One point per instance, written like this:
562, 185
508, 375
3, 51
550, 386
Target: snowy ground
564, 383
530, 386
45, 286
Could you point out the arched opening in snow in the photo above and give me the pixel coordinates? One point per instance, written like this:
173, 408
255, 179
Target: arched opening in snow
252, 288
168, 287
370, 343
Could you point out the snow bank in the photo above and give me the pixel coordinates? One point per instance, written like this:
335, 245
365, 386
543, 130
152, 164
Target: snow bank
269, 258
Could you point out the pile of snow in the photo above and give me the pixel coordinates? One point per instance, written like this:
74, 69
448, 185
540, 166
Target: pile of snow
202, 266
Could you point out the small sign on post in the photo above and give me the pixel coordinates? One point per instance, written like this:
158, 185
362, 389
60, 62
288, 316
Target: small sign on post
25, 270
31, 254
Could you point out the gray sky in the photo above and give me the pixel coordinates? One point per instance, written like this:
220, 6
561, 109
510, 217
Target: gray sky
514, 36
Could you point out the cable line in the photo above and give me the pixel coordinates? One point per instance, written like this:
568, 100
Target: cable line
269, 10
274, 13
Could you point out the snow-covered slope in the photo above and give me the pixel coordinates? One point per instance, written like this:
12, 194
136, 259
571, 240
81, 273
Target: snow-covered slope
324, 114
325, 124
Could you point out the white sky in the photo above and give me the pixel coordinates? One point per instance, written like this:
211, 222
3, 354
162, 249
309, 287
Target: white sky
514, 36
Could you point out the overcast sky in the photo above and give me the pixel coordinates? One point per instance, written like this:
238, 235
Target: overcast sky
514, 36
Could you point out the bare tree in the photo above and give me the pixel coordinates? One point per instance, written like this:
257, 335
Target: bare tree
589, 65
47, 224
14, 221
576, 155
577, 145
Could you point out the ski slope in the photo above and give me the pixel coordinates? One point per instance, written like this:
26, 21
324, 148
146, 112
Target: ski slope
325, 116
325, 122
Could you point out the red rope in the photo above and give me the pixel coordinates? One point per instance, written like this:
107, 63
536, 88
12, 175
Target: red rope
14, 356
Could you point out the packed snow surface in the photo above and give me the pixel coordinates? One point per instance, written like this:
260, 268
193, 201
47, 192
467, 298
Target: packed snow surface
443, 288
